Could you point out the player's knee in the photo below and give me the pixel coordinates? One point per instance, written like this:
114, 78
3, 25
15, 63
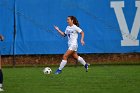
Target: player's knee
65, 57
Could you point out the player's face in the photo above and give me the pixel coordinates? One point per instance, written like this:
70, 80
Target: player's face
69, 21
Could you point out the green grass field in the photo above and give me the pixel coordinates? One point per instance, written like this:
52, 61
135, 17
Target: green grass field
99, 79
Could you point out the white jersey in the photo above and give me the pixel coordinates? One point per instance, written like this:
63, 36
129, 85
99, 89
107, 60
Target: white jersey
72, 33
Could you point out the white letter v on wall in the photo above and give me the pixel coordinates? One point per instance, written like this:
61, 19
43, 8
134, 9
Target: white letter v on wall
129, 38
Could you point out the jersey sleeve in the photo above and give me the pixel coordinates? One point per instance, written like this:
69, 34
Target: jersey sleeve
78, 29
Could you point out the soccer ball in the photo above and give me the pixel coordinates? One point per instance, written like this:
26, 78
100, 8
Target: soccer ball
47, 70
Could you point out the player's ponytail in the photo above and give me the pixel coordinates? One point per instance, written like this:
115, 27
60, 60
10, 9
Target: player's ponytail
75, 21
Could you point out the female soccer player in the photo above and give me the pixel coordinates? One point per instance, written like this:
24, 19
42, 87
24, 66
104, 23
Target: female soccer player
71, 32
1, 74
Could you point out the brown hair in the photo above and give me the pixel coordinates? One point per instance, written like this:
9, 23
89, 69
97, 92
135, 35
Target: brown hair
75, 21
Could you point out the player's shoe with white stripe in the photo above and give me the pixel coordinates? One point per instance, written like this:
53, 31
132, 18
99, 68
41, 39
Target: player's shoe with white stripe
58, 72
86, 67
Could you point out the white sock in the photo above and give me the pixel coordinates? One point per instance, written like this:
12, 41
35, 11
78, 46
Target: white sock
62, 64
81, 60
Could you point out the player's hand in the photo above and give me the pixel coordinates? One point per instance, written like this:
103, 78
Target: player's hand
82, 42
56, 28
1, 38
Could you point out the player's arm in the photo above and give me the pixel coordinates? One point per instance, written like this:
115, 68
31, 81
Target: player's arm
1, 37
79, 30
57, 29
82, 38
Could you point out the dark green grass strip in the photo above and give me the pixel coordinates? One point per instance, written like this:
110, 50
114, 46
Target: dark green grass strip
99, 79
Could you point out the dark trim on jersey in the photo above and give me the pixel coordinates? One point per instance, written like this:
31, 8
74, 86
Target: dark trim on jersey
65, 35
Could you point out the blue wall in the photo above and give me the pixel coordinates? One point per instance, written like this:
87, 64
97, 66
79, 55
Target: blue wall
7, 25
35, 19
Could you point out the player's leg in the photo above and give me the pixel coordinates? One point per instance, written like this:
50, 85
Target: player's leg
80, 59
64, 61
1, 76
65, 57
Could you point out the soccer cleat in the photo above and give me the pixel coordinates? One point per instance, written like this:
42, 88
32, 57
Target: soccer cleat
1, 89
58, 71
86, 67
